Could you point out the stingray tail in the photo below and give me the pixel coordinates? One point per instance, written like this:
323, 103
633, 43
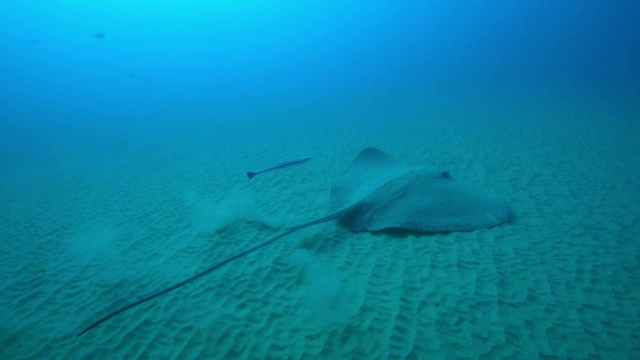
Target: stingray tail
194, 277
204, 272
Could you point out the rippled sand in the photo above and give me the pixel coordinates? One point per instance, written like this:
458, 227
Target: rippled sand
562, 280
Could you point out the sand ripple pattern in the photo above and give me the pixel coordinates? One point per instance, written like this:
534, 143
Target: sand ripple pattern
561, 281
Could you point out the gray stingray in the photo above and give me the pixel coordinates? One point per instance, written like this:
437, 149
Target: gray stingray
378, 192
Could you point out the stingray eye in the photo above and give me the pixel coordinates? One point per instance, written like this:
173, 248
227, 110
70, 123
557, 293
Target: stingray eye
446, 175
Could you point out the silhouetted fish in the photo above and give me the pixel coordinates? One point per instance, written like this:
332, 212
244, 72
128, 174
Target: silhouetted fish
283, 165
99, 35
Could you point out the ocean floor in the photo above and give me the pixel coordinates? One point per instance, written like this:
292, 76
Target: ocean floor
85, 236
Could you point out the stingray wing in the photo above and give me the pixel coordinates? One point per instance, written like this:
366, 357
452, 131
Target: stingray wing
419, 198
427, 201
369, 171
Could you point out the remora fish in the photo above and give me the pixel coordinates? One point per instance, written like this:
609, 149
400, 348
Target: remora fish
283, 165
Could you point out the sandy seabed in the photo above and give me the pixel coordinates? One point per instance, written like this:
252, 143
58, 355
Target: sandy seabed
560, 281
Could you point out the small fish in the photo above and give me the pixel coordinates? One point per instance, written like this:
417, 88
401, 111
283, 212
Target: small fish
283, 165
99, 35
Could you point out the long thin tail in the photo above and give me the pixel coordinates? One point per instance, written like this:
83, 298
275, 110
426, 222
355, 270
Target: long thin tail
210, 269
200, 274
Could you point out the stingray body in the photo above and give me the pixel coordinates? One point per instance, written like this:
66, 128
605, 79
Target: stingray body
391, 194
378, 192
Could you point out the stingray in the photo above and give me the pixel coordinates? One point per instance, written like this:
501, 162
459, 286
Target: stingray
378, 192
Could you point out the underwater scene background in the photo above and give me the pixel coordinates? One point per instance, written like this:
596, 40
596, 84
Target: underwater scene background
127, 129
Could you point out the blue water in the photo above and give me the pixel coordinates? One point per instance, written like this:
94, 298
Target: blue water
130, 100
252, 61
